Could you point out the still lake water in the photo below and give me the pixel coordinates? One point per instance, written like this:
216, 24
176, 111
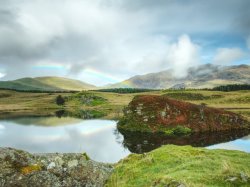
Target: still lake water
98, 138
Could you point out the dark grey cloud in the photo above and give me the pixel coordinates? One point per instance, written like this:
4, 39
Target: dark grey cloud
196, 15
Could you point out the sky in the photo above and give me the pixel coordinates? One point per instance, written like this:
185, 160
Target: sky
107, 41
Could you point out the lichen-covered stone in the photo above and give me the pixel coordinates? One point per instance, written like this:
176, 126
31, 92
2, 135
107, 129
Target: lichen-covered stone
22, 169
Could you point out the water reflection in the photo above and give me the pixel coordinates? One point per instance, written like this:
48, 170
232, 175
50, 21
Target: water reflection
81, 114
145, 142
242, 144
96, 137
100, 138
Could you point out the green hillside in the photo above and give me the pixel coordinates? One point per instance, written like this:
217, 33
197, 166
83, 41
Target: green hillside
65, 83
46, 84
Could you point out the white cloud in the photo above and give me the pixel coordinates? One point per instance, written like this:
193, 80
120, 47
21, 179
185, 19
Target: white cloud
183, 55
228, 55
179, 56
2, 75
114, 38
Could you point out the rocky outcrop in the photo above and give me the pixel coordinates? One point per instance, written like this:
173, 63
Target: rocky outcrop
22, 169
151, 113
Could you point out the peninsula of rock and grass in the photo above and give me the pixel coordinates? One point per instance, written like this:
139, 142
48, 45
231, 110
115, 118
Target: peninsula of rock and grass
183, 166
170, 165
160, 114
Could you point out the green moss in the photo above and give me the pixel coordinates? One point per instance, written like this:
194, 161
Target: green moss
97, 102
178, 131
174, 165
86, 98
97, 114
29, 169
86, 156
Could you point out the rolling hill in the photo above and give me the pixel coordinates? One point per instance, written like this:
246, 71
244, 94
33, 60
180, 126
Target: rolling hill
204, 76
46, 84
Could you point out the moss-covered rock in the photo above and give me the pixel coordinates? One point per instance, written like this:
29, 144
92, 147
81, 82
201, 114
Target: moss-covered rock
151, 113
86, 98
19, 168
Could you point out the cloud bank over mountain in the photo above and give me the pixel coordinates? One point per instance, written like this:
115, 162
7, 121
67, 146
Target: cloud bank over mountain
106, 41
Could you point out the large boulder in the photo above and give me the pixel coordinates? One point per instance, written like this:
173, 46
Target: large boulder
150, 113
22, 169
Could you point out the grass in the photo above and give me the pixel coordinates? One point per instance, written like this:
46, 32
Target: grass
178, 131
191, 96
175, 165
236, 101
24, 103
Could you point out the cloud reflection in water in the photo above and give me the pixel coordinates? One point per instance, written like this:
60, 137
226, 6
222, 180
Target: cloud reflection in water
96, 137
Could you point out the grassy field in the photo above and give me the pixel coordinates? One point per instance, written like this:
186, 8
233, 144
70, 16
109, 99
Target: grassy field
235, 101
183, 166
14, 103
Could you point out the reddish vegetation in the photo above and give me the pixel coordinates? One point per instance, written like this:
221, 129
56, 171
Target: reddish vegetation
161, 112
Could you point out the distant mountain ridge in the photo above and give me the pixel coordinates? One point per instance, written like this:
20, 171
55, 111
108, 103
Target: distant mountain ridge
204, 76
46, 84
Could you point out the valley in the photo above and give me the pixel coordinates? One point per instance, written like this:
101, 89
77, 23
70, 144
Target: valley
14, 103
115, 125
40, 122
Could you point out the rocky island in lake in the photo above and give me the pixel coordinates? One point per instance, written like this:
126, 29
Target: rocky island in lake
151, 113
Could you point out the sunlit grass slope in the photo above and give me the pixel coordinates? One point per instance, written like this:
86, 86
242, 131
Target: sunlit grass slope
183, 166
46, 84
65, 83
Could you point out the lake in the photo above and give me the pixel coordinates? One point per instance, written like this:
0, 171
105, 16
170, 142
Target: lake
99, 138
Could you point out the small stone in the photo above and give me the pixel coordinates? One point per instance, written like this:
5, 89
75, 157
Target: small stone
139, 112
232, 179
72, 163
51, 165
59, 161
128, 111
181, 185
163, 114
244, 177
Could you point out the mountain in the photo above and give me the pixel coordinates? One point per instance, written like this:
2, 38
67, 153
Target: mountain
204, 76
46, 84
